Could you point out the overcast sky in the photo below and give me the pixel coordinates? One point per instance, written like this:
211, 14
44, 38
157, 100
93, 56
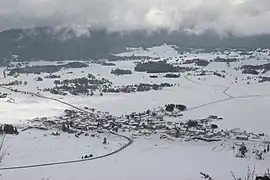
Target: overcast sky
240, 17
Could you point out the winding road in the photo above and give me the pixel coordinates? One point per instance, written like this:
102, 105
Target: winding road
225, 92
130, 141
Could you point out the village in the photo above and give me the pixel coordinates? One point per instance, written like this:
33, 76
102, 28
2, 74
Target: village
161, 122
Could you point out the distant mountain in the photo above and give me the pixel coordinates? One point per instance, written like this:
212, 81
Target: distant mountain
63, 44
45, 43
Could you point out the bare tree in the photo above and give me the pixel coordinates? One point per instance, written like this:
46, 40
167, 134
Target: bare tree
2, 150
250, 175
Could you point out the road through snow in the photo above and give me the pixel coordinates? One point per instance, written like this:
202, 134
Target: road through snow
130, 141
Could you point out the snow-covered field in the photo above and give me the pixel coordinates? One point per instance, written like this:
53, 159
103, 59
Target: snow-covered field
242, 105
17, 108
153, 159
36, 147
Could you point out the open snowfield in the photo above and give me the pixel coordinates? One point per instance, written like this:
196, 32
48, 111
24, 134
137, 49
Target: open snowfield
36, 147
242, 105
17, 108
153, 159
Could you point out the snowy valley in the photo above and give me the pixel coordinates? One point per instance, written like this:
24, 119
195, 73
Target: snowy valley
147, 112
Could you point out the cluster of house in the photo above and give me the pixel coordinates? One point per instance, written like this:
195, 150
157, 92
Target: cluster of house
158, 121
90, 120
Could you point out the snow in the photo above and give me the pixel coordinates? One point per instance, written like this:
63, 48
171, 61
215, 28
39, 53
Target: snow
153, 159
162, 51
24, 107
140, 102
40, 147
249, 114
146, 158
251, 89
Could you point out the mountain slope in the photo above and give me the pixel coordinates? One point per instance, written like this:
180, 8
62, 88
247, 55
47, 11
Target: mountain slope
49, 44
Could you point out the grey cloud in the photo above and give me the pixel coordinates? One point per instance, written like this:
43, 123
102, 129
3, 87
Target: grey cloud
239, 17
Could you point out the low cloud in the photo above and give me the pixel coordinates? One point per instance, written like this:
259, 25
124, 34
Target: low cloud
238, 17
